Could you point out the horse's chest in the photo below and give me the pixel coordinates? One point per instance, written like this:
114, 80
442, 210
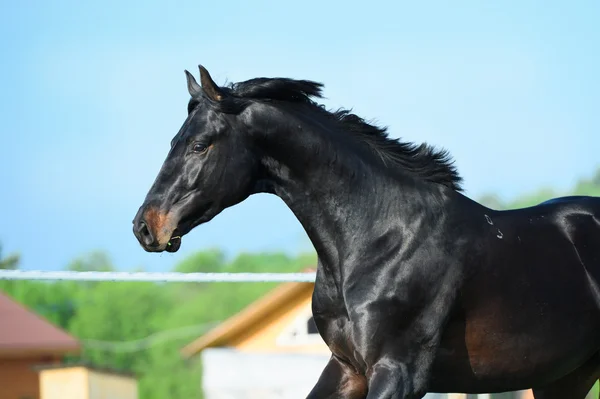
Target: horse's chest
331, 318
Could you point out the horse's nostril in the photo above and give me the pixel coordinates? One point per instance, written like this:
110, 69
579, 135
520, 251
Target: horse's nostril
145, 234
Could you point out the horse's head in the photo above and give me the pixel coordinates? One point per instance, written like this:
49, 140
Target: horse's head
209, 167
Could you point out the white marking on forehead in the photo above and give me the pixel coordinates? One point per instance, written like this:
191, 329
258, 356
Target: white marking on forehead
489, 220
499, 235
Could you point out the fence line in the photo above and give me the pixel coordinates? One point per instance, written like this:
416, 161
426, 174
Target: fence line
171, 277
151, 340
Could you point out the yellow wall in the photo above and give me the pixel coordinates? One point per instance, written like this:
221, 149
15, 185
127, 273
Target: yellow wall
262, 337
82, 383
64, 383
18, 379
111, 386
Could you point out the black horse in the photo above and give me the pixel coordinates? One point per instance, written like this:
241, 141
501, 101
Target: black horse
419, 288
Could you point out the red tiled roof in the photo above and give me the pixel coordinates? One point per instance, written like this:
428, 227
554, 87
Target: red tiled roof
24, 332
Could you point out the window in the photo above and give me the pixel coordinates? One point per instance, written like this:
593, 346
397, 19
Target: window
301, 331
311, 327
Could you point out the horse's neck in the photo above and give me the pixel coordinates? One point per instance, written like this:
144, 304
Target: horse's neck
343, 202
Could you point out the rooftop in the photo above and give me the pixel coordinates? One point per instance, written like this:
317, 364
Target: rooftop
22, 333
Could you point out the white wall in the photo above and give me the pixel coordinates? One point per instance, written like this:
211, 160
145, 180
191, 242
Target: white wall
229, 374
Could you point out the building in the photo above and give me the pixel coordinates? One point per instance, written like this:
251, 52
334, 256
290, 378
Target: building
85, 382
31, 354
26, 341
271, 350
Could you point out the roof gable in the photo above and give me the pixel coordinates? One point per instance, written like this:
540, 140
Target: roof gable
237, 326
24, 332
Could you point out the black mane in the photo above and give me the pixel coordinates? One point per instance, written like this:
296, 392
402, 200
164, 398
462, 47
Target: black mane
422, 160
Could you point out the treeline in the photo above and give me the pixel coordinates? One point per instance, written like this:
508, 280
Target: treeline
586, 186
141, 327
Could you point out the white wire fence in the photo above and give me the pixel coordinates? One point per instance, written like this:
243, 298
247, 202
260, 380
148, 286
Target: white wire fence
170, 277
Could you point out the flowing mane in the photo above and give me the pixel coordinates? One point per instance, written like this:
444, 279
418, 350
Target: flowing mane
421, 160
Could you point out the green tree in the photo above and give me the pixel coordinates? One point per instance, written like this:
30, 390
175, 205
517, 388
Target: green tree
596, 178
595, 391
537, 197
491, 201
209, 261
131, 312
54, 301
116, 312
93, 262
588, 186
11, 262
582, 187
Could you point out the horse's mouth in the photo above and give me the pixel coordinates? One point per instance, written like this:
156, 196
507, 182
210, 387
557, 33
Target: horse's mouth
174, 243
185, 227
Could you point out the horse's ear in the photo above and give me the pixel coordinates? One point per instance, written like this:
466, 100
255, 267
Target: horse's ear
193, 86
209, 86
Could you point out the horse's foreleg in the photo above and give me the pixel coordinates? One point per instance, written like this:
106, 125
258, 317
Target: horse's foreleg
391, 379
573, 386
399, 360
339, 381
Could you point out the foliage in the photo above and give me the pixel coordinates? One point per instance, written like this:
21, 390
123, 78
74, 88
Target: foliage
93, 262
9, 263
130, 312
582, 187
595, 391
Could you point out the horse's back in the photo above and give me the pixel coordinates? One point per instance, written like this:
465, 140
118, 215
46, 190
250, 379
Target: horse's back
577, 218
574, 200
574, 218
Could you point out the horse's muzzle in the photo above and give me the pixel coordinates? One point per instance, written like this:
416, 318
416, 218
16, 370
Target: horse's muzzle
154, 230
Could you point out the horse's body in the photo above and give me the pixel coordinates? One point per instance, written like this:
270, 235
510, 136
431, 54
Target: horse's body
522, 310
512, 326
419, 289
528, 309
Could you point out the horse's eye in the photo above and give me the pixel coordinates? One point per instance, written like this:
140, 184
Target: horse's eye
199, 148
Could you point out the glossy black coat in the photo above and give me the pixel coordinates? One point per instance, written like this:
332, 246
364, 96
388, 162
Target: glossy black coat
419, 288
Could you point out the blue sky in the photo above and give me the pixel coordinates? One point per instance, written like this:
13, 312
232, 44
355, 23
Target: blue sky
94, 91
